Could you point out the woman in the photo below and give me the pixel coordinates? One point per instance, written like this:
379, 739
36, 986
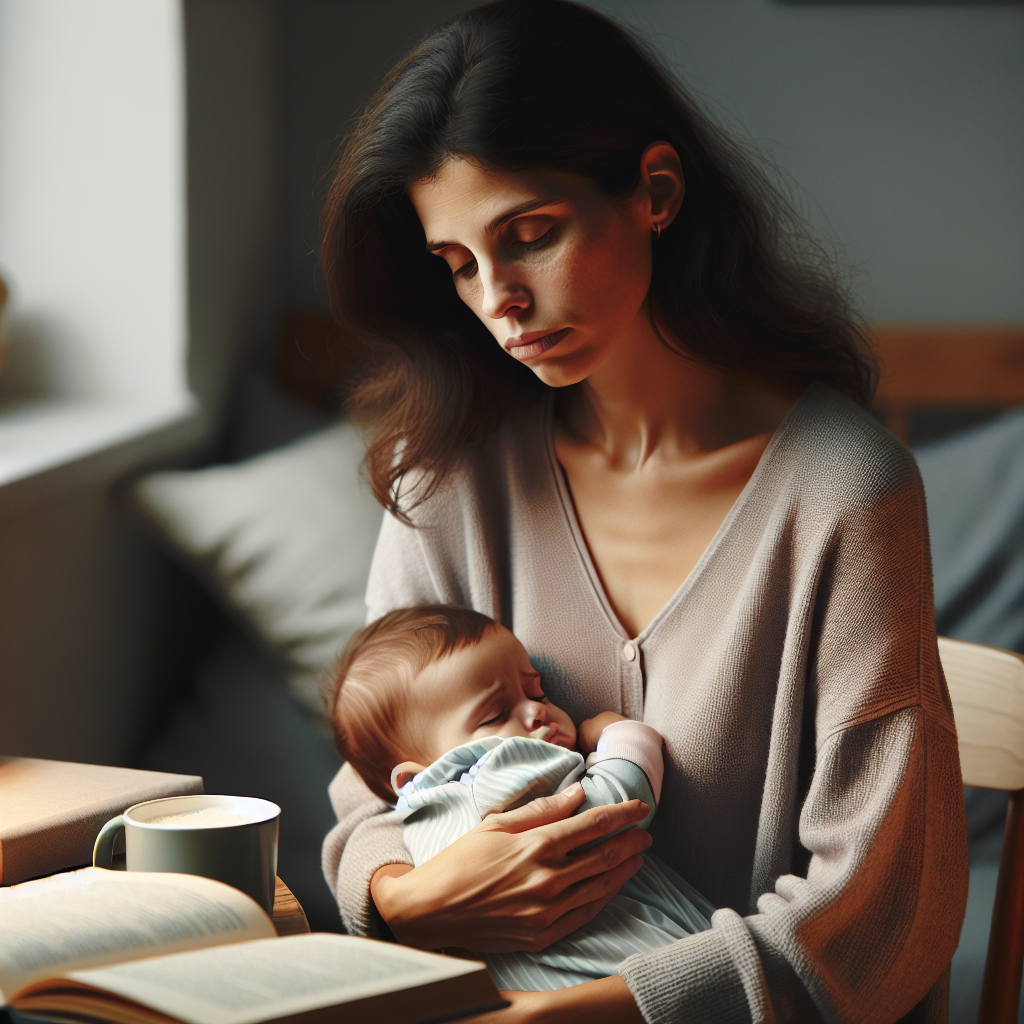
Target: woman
620, 408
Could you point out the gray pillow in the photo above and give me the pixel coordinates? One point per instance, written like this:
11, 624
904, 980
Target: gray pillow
974, 483
285, 541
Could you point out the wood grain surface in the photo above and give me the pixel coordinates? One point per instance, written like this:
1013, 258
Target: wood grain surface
289, 918
986, 685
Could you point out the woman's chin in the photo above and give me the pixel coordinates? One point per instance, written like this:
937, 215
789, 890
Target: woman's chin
561, 367
560, 373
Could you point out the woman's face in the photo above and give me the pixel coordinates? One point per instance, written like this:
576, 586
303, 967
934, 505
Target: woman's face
557, 272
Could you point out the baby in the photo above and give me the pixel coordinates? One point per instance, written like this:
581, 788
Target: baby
440, 707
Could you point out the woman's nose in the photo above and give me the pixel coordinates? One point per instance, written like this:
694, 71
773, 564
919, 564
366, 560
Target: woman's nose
503, 294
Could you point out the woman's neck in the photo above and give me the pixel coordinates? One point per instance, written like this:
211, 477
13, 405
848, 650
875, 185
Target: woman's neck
647, 402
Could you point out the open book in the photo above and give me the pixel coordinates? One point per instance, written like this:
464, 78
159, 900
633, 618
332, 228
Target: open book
153, 948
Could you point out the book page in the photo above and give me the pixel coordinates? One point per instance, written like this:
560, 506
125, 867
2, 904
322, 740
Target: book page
93, 916
257, 981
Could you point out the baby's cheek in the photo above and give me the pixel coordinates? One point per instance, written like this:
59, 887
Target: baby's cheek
567, 726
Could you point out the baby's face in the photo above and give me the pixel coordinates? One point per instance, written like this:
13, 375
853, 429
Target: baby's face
487, 689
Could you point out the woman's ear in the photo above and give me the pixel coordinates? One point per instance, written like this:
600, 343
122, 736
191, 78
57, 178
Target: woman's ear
662, 182
403, 772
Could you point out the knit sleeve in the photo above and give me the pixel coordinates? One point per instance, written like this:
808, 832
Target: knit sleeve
867, 922
368, 836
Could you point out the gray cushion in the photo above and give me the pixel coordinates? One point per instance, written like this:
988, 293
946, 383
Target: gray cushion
974, 483
284, 539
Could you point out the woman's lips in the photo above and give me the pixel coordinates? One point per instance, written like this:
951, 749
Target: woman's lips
531, 345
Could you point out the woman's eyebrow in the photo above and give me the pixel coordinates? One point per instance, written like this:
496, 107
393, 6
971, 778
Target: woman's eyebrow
504, 218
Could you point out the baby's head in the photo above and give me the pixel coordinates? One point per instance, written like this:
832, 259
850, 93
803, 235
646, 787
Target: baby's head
420, 681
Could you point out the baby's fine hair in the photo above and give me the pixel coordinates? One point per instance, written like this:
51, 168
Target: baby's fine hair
367, 692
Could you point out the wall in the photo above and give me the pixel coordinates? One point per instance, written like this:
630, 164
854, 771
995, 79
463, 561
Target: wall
234, 262
901, 123
92, 198
80, 581
333, 56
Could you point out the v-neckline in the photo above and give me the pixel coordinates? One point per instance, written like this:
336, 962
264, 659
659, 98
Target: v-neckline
583, 550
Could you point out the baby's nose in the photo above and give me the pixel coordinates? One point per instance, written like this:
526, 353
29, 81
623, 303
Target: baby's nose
536, 715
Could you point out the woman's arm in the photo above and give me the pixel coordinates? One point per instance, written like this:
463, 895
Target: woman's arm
604, 1001
366, 837
862, 926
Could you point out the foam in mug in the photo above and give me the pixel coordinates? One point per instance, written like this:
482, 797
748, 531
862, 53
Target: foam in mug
202, 817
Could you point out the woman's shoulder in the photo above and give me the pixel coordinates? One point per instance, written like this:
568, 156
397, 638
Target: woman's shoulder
834, 451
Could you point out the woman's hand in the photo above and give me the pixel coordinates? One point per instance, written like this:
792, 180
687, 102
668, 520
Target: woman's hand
513, 882
590, 730
605, 1001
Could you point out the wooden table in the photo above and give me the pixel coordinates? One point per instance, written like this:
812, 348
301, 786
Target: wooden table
288, 916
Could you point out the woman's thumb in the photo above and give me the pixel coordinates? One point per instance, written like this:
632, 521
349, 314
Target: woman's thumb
542, 811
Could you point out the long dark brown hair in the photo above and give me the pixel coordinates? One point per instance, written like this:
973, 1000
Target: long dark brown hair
549, 84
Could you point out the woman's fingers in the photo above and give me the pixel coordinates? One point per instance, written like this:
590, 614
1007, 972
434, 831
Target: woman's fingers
555, 914
598, 822
605, 856
601, 880
587, 900
542, 811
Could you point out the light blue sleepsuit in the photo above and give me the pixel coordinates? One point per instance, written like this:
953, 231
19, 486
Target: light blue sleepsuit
653, 909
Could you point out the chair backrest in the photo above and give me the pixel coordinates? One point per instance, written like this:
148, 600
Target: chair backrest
986, 685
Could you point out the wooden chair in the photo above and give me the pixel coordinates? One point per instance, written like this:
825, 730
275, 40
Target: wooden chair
936, 366
986, 685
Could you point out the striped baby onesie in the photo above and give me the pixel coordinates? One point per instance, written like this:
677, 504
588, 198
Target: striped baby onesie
653, 909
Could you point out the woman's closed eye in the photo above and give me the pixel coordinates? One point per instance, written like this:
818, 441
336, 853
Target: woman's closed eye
531, 233
468, 269
461, 261
537, 243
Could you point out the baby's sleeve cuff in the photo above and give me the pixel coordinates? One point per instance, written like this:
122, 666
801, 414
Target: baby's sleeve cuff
636, 742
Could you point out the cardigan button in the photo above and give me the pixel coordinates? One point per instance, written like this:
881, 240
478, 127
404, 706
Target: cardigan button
629, 652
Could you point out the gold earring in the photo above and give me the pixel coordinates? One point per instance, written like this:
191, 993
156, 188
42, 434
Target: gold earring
657, 230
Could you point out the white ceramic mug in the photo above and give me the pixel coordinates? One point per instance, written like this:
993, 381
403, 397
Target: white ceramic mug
242, 852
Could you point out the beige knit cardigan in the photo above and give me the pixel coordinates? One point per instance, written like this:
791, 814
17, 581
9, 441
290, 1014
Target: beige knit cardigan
812, 786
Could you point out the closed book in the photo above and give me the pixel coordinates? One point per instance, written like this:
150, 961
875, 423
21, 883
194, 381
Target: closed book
50, 811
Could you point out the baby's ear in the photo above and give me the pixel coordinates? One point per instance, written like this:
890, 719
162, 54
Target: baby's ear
403, 772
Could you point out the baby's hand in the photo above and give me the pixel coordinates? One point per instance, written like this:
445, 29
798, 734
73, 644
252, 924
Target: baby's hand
590, 731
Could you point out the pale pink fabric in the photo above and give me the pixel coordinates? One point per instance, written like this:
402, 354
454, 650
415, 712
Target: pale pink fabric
636, 742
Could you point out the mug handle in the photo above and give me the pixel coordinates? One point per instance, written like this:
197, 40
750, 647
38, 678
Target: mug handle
103, 851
